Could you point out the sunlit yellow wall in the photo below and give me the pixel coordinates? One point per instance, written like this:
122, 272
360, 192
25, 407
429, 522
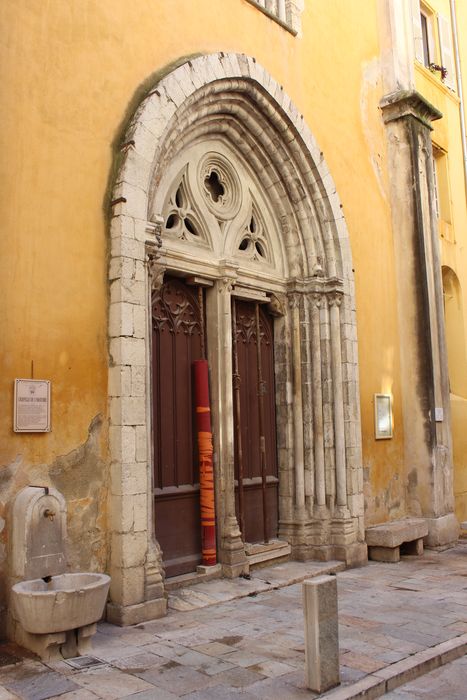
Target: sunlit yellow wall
73, 72
453, 238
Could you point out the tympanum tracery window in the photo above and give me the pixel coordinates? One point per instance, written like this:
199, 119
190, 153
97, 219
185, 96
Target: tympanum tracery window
215, 204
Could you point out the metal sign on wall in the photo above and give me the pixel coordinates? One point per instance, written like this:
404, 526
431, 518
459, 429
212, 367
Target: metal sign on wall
32, 406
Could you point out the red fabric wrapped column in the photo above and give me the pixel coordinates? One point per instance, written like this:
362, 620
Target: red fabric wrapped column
206, 475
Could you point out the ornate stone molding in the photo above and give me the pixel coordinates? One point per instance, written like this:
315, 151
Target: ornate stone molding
406, 103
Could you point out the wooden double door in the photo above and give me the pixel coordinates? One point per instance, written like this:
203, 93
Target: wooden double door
177, 328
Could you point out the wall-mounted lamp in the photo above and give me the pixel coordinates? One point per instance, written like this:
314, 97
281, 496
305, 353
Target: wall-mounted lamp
383, 416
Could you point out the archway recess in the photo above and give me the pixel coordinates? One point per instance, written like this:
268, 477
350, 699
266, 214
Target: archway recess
216, 140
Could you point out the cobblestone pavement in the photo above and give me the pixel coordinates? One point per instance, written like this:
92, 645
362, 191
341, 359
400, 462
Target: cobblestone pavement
215, 644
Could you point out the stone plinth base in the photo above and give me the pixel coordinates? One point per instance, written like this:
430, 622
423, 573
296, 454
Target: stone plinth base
123, 615
57, 645
234, 570
355, 554
443, 532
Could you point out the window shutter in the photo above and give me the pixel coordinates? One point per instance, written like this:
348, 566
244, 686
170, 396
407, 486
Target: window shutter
417, 30
431, 39
447, 51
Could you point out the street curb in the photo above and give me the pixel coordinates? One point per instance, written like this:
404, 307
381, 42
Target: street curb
386, 679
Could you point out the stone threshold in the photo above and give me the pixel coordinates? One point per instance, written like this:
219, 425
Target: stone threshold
262, 580
201, 575
391, 677
257, 555
261, 553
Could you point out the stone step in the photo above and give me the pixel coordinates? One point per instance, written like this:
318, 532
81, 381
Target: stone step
259, 553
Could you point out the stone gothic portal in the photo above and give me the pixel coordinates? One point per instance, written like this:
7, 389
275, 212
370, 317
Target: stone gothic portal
227, 228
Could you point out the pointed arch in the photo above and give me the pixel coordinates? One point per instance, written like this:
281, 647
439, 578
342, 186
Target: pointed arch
231, 100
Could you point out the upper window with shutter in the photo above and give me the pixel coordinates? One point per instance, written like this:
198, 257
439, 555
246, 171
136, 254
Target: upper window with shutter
447, 51
433, 43
286, 12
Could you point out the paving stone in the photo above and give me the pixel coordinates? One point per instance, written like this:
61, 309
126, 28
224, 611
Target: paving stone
271, 669
110, 683
80, 694
361, 662
41, 686
176, 678
220, 692
244, 658
135, 637
213, 649
350, 675
152, 694
276, 689
239, 677
138, 662
6, 695
22, 671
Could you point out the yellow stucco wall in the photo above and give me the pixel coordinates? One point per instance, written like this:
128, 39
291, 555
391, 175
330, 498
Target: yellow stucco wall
74, 73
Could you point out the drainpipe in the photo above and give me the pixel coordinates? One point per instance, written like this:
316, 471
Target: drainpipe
459, 87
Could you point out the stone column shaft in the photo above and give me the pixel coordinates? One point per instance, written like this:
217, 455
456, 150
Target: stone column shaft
299, 457
320, 478
219, 325
338, 400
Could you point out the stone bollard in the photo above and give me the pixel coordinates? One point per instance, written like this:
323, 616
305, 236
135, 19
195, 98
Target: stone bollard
321, 633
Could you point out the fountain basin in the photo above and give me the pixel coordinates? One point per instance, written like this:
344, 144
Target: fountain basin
66, 602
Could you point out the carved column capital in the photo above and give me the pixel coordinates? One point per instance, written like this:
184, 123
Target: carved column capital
409, 103
156, 269
225, 285
294, 299
317, 299
154, 231
277, 305
335, 298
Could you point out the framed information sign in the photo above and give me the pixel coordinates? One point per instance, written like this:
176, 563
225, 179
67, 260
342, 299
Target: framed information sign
32, 406
383, 416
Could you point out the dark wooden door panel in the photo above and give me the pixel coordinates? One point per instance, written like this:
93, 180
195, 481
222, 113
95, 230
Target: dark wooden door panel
250, 428
253, 498
179, 537
176, 344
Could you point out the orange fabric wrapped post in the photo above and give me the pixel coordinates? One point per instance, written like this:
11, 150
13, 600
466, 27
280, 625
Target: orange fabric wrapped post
206, 475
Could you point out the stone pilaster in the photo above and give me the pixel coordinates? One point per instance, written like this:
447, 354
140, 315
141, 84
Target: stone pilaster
425, 387
137, 591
